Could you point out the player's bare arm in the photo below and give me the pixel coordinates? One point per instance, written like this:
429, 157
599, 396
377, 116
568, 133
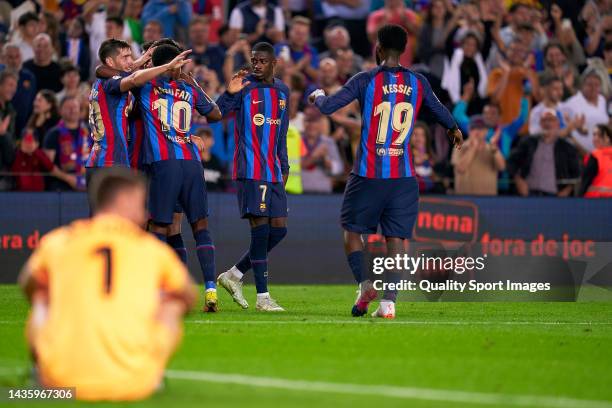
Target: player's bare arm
139, 78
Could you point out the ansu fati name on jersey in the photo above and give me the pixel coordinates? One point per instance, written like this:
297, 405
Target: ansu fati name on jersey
177, 93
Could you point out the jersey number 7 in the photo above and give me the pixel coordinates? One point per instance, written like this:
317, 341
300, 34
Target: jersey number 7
401, 121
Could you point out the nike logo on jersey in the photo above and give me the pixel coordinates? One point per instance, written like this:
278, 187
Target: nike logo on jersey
256, 102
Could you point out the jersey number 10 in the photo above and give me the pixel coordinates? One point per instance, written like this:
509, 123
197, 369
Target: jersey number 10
401, 121
181, 115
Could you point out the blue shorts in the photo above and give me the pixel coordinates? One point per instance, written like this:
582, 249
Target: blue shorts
173, 182
392, 203
261, 199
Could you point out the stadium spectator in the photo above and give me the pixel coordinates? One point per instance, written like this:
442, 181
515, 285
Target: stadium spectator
598, 29
597, 174
132, 11
466, 65
556, 64
45, 114
202, 53
297, 54
71, 82
116, 359
590, 103
115, 28
512, 81
608, 58
152, 31
432, 37
338, 38
215, 173
422, 157
236, 52
28, 29
343, 125
67, 146
320, 159
567, 39
75, 46
94, 15
395, 12
466, 18
212, 10
492, 117
478, 162
46, 71
26, 86
353, 14
208, 80
297, 86
170, 13
259, 20
521, 18
29, 162
552, 92
544, 165
346, 64
7, 154
8, 87
50, 25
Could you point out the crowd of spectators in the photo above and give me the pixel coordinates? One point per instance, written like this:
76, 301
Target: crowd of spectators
529, 83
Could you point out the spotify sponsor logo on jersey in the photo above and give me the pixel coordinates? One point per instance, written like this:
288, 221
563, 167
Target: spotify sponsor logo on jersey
260, 119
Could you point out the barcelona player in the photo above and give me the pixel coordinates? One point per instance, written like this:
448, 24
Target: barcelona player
136, 136
260, 168
110, 103
107, 298
382, 189
174, 165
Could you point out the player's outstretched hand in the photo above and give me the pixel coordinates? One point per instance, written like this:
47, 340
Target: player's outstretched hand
179, 61
314, 94
237, 83
456, 137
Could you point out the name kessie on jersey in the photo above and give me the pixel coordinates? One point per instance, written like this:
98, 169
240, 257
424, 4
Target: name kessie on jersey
397, 88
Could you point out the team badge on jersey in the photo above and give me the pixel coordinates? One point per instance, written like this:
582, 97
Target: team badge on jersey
282, 104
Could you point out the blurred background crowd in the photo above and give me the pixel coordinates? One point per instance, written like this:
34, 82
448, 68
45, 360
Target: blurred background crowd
527, 81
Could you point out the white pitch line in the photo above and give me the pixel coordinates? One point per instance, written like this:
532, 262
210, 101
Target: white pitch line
399, 322
383, 322
427, 394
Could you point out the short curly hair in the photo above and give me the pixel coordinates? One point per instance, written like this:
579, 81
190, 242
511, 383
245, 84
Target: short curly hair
392, 37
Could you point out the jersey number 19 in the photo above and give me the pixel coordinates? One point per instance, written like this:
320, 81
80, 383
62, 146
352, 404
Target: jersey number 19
401, 121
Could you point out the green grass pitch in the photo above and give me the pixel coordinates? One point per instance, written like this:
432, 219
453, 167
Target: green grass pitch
315, 355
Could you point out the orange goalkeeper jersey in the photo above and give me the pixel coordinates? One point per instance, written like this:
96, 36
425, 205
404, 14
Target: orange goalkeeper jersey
104, 278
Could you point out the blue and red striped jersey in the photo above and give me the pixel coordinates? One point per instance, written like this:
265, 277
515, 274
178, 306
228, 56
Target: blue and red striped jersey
260, 132
108, 120
136, 137
167, 107
391, 99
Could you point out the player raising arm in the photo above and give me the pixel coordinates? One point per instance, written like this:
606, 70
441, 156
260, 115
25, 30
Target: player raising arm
261, 103
382, 189
110, 102
174, 165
